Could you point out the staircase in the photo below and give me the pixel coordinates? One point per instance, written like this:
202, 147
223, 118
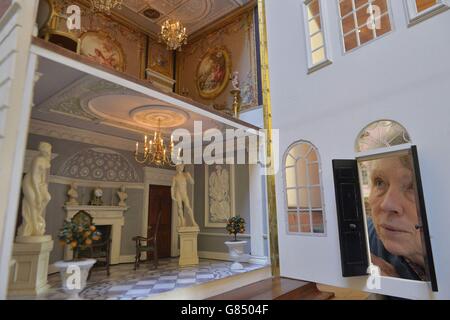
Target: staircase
276, 288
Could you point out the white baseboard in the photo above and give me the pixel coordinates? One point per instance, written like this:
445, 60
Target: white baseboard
214, 255
226, 257
52, 269
127, 259
259, 260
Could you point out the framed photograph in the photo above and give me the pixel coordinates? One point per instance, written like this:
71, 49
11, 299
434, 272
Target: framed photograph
219, 195
102, 49
213, 73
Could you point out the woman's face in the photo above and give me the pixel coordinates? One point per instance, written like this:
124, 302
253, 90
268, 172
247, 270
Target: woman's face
393, 205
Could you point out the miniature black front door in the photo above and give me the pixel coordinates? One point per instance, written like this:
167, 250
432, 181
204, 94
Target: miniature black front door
352, 237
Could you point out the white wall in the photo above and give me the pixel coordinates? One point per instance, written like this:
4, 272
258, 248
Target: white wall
404, 76
254, 117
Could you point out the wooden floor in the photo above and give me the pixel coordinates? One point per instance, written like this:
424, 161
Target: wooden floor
345, 294
276, 288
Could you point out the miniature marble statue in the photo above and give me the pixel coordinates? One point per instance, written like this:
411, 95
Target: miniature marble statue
235, 80
180, 195
123, 196
219, 196
73, 195
36, 196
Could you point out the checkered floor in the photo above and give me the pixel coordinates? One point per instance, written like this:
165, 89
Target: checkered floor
126, 284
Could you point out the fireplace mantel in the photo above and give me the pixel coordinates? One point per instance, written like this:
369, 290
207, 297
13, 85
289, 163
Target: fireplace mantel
103, 216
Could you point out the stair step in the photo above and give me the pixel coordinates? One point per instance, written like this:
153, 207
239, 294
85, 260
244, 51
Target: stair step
276, 288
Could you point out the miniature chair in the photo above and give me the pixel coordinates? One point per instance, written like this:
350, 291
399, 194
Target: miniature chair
148, 244
99, 249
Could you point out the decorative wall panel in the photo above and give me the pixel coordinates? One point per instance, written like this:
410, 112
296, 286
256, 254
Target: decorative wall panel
238, 37
105, 40
99, 164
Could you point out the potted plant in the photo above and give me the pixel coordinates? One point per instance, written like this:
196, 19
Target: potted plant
78, 234
236, 225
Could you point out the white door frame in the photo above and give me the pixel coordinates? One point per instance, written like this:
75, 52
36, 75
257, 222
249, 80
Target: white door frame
17, 84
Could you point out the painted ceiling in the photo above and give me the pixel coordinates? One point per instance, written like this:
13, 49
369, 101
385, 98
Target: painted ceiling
67, 97
194, 14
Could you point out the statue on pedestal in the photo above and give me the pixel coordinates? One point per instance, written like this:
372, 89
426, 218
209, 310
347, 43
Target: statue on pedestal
36, 196
236, 92
73, 195
235, 81
123, 196
180, 195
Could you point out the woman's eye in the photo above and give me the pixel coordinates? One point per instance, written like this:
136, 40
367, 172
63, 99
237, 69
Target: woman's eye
379, 183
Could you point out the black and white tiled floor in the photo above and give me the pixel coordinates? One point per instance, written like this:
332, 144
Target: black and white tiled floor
126, 284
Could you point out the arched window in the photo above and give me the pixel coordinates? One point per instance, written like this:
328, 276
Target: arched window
303, 188
381, 134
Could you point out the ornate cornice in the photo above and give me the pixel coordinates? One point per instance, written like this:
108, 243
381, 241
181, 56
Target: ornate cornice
58, 131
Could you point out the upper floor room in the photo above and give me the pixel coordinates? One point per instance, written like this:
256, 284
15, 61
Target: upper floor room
192, 48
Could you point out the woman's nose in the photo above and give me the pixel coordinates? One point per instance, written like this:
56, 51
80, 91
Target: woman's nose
392, 201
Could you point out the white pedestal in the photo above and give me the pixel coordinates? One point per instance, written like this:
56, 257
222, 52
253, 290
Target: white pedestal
32, 256
74, 276
236, 251
188, 245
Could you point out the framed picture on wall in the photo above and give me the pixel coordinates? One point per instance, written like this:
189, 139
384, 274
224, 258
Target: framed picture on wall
219, 195
101, 48
213, 72
160, 59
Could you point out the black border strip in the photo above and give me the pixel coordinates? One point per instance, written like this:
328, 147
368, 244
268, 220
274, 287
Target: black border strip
423, 215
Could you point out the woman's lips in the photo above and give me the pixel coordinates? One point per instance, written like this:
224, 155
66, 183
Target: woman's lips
392, 229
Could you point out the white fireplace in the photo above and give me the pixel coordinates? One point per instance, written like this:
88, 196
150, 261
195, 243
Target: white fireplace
103, 216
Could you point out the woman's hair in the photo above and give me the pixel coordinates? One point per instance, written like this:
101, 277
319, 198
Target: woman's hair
405, 160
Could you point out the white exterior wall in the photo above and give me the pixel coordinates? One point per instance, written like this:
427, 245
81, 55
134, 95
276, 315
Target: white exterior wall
404, 76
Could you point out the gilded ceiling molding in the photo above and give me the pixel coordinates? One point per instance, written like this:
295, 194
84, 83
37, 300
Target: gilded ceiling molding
74, 101
219, 24
57, 131
117, 18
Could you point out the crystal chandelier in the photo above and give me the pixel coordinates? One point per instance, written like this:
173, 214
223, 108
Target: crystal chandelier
155, 151
105, 5
173, 34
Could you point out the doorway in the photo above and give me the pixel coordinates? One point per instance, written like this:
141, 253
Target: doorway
160, 199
